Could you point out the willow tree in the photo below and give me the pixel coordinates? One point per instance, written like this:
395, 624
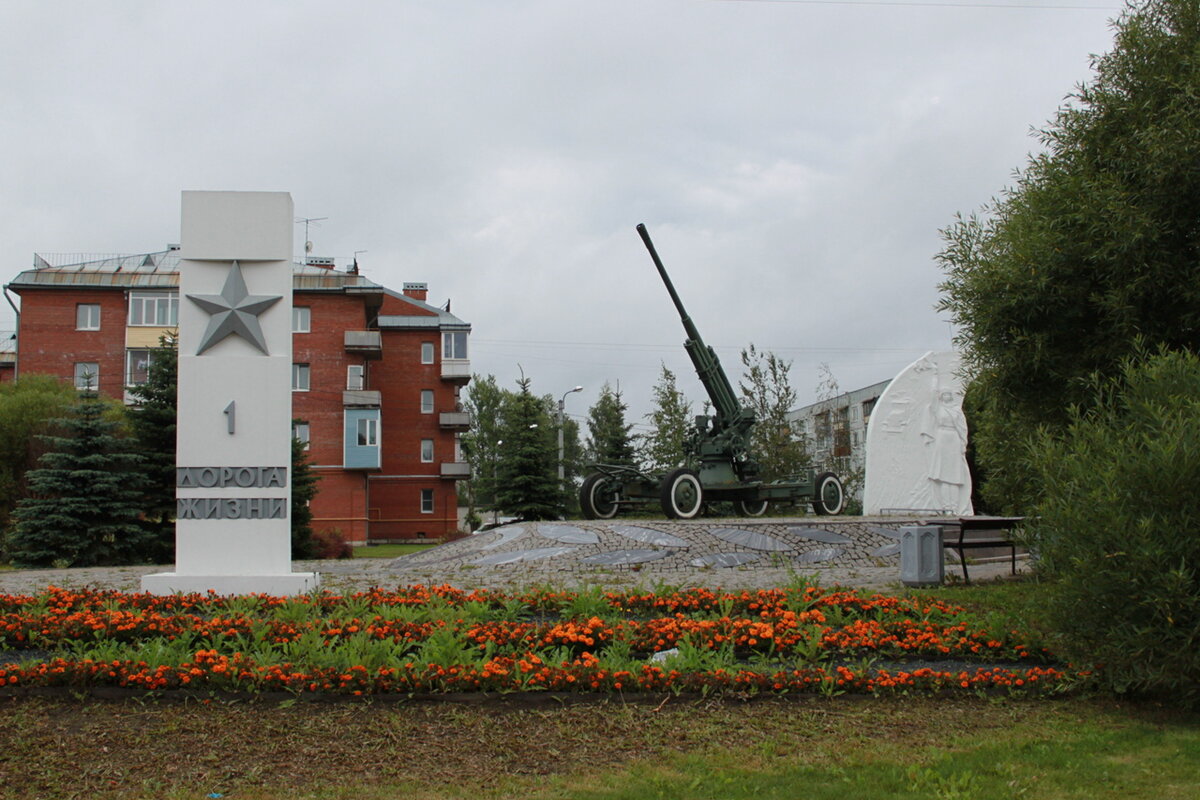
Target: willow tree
1092, 254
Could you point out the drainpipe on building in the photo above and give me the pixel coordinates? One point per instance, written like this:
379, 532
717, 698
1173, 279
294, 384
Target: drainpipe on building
16, 335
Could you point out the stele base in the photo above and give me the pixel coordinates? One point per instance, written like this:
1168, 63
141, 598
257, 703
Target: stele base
292, 583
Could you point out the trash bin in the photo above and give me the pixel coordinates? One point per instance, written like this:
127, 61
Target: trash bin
921, 561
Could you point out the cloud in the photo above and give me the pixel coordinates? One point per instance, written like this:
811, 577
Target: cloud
793, 161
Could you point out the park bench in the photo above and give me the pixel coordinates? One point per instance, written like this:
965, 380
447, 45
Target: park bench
989, 533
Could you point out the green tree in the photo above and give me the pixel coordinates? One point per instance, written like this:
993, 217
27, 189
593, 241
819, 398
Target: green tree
153, 419
304, 489
485, 401
572, 464
84, 500
1095, 248
1115, 529
610, 439
572, 453
767, 390
27, 409
664, 448
527, 472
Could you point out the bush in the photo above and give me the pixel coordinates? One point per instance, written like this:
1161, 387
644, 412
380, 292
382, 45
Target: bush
331, 543
1119, 529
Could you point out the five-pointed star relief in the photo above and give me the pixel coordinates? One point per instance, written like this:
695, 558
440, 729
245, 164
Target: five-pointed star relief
234, 310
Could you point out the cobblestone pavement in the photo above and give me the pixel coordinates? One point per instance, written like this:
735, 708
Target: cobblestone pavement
730, 554
356, 574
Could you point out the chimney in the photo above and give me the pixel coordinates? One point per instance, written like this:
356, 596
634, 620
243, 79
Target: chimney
417, 291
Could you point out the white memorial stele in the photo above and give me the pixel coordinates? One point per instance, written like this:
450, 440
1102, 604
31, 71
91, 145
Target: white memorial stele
233, 435
917, 442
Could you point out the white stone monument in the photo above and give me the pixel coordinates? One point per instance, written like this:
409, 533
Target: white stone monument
917, 442
233, 437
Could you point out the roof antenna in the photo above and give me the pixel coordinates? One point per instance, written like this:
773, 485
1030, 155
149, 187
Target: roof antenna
354, 267
308, 221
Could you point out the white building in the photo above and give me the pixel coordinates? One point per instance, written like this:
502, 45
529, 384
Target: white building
836, 432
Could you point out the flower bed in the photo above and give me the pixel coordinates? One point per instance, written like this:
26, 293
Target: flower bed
440, 639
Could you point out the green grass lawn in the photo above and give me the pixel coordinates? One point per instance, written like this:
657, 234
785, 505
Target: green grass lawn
601, 750
391, 550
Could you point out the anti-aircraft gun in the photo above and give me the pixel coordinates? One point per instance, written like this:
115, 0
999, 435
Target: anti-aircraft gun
719, 464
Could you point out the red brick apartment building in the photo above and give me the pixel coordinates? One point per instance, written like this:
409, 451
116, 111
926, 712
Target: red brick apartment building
376, 376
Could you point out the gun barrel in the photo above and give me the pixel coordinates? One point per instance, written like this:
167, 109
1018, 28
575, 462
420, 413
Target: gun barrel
704, 358
688, 325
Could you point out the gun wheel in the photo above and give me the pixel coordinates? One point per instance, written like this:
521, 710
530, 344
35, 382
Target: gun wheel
682, 495
752, 508
830, 497
598, 497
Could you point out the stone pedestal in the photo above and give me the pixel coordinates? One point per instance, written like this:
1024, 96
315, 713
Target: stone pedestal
922, 562
233, 462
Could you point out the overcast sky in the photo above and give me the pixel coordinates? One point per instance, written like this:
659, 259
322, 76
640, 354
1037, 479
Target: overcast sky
793, 160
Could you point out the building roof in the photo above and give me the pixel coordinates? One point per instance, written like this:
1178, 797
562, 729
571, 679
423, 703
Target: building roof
842, 400
160, 270
441, 318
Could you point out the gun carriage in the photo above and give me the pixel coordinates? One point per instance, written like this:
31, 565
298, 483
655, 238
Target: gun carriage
719, 465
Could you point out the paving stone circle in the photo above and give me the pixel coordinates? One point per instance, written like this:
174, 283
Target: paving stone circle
663, 547
620, 557
817, 556
519, 556
725, 559
752, 539
647, 536
818, 535
567, 534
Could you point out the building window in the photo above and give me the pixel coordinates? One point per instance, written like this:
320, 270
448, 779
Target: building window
841, 433
426, 352
368, 432
301, 319
454, 344
87, 375
355, 377
824, 430
301, 432
87, 317
427, 501
867, 407
154, 310
427, 451
427, 401
299, 377
137, 366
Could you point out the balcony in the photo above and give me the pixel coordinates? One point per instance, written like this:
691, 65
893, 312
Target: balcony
457, 370
360, 398
455, 420
367, 344
456, 470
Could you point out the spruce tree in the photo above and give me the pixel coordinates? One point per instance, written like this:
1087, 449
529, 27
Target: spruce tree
610, 439
304, 489
84, 500
153, 420
527, 473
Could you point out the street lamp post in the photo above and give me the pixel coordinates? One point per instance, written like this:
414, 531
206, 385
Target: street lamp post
562, 403
495, 505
